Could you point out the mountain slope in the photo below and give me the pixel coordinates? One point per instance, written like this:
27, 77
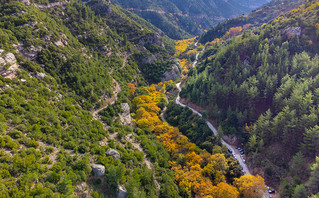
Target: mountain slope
180, 19
253, 19
59, 62
261, 87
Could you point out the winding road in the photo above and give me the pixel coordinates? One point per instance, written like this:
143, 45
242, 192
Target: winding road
213, 129
234, 151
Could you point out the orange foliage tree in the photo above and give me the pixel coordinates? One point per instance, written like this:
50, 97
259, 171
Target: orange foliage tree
132, 88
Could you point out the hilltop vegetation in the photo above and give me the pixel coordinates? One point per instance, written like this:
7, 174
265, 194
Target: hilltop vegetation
261, 86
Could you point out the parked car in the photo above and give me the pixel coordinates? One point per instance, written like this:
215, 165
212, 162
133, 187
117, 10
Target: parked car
271, 191
270, 196
242, 158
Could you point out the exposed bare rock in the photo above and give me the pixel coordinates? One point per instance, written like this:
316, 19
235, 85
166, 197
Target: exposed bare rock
10, 58
2, 62
103, 142
98, 169
153, 38
174, 73
102, 8
50, 5
85, 194
125, 117
26, 2
148, 59
107, 51
114, 153
292, 31
8, 65
30, 53
32, 24
40, 76
62, 42
80, 187
121, 192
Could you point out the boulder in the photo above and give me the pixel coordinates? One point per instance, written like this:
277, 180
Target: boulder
114, 153
40, 76
121, 192
98, 169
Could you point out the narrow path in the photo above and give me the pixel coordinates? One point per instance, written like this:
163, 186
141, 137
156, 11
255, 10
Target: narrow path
107, 101
148, 163
124, 60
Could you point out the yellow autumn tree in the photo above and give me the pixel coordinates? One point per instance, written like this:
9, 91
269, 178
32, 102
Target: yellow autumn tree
224, 190
250, 186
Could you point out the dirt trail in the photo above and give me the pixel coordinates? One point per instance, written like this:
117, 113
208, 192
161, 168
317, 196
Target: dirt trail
148, 163
126, 55
106, 102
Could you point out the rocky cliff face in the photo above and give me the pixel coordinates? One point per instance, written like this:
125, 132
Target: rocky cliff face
101, 7
8, 65
152, 38
125, 117
174, 73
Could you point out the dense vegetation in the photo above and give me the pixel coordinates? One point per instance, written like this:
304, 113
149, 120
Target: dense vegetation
262, 87
251, 20
196, 171
70, 57
184, 18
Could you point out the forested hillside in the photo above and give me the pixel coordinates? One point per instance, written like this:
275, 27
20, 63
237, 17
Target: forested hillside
185, 18
61, 64
262, 87
254, 19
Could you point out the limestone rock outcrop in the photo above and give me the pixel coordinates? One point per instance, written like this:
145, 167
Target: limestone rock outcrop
174, 73
114, 153
98, 169
125, 117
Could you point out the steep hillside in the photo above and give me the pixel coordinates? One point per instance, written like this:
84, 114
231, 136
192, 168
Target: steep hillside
180, 18
251, 20
65, 68
261, 88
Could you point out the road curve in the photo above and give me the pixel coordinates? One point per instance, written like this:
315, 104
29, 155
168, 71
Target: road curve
213, 129
235, 152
